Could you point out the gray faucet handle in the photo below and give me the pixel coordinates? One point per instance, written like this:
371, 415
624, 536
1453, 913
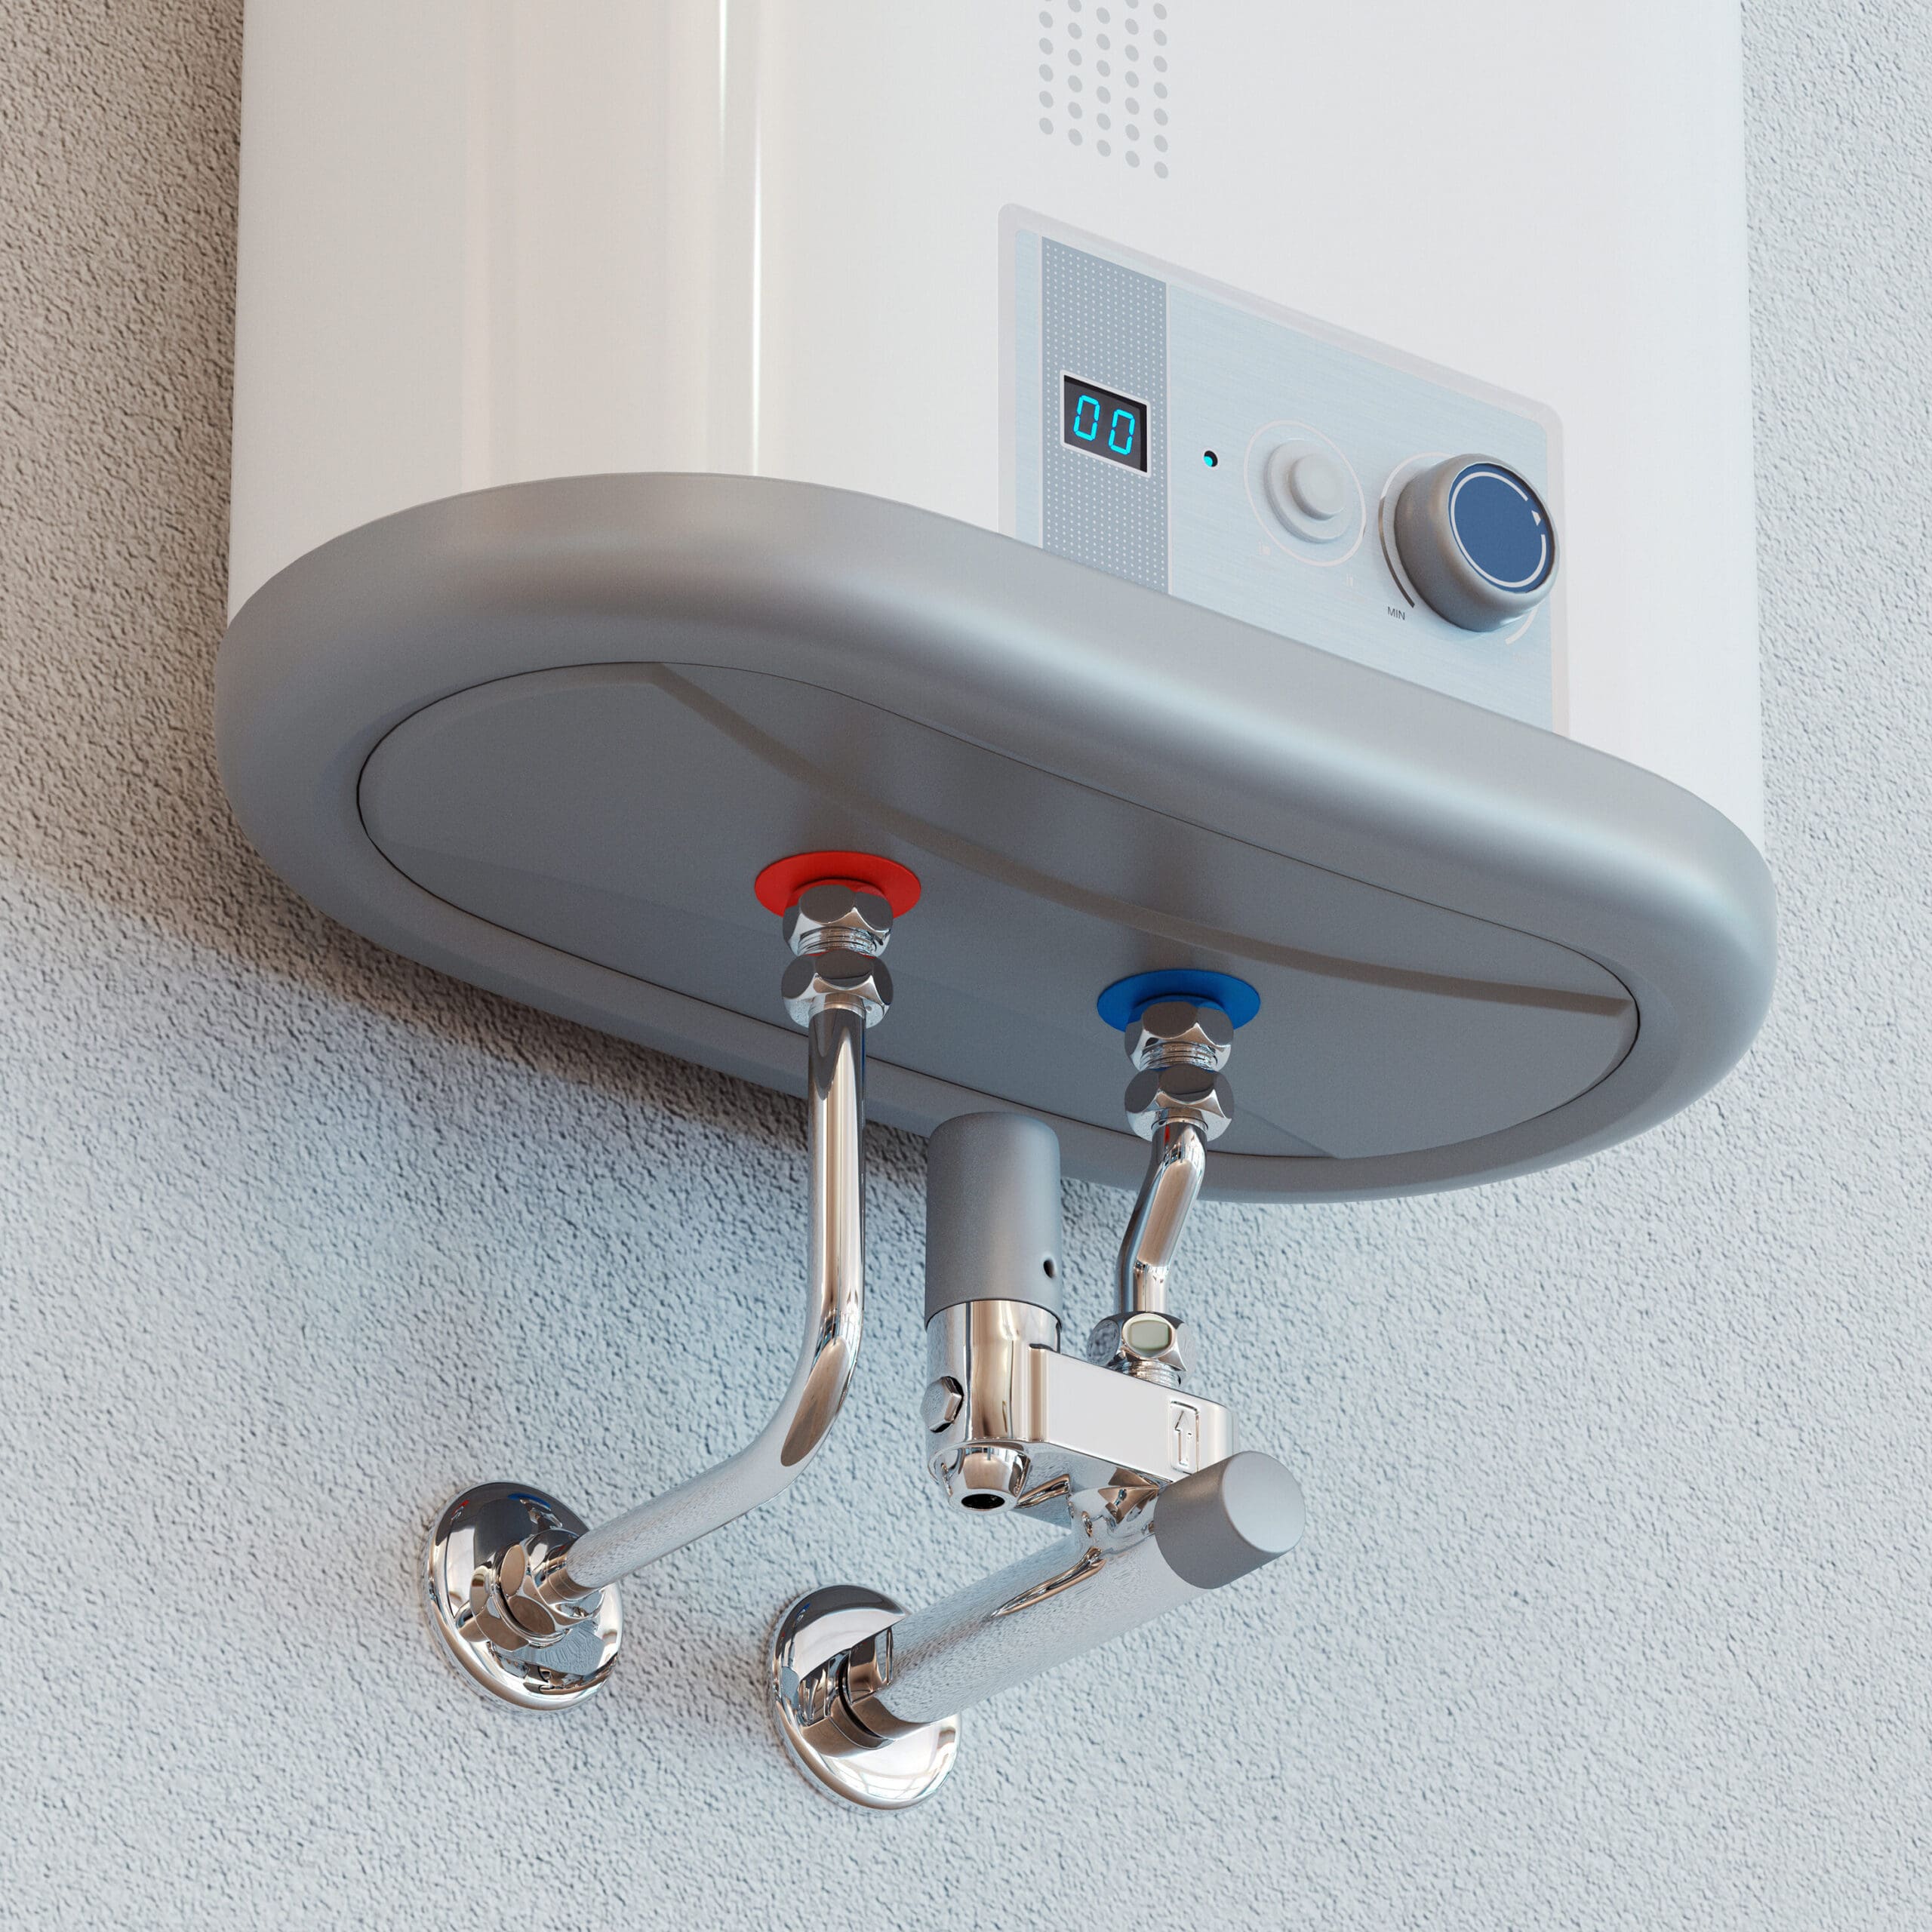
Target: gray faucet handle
1222, 1522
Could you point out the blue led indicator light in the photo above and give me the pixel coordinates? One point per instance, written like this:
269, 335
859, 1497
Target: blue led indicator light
1086, 426
1123, 423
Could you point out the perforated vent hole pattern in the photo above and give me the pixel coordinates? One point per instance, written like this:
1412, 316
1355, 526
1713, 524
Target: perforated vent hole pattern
1103, 79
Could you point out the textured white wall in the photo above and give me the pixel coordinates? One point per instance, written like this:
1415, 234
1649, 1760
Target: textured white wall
1614, 1608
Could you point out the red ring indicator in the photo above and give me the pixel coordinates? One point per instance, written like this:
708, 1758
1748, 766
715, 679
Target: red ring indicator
778, 885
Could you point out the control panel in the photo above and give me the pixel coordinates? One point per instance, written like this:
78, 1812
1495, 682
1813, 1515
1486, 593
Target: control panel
1186, 437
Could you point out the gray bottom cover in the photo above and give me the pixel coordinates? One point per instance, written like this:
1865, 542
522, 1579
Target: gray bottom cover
545, 736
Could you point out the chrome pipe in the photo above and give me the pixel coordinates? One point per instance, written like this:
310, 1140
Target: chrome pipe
1177, 1162
834, 1132
1135, 1553
523, 1596
1050, 1607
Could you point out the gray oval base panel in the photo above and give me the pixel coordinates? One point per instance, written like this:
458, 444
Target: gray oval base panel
544, 736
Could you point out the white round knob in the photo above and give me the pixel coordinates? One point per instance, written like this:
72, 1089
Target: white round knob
1308, 491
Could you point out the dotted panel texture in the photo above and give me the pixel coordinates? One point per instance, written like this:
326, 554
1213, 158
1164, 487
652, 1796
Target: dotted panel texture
1103, 72
1103, 324
1613, 1610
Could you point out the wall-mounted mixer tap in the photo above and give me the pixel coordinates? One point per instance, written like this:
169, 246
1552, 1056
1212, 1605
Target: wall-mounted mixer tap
1162, 1502
1012, 1421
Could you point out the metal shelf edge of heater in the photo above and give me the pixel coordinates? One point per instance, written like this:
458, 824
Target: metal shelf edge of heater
1483, 948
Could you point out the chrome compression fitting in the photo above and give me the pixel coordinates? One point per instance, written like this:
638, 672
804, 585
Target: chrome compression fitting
1163, 1503
522, 1594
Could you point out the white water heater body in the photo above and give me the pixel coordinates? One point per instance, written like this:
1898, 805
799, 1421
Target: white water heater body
1374, 377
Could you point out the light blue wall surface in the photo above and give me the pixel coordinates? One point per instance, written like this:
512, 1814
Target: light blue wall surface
1616, 1605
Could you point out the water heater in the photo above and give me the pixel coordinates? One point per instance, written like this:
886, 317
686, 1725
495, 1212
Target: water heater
1237, 498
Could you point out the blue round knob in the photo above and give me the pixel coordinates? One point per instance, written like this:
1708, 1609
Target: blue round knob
1477, 542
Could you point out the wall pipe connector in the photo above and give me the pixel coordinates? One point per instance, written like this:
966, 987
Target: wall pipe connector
521, 1592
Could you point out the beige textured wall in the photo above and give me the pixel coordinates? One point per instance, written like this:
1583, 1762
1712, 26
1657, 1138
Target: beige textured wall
1614, 1609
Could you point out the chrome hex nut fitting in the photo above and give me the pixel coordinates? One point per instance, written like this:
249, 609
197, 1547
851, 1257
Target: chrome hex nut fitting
1196, 1093
941, 1404
1161, 1341
844, 918
1176, 1032
816, 981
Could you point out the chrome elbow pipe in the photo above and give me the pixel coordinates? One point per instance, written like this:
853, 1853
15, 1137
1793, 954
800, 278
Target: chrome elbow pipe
1176, 1165
835, 1308
521, 1592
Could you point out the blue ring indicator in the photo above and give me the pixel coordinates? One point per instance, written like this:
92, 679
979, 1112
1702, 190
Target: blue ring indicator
1502, 527
1126, 1000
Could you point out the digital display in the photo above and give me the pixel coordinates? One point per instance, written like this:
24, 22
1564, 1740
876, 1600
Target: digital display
1103, 424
